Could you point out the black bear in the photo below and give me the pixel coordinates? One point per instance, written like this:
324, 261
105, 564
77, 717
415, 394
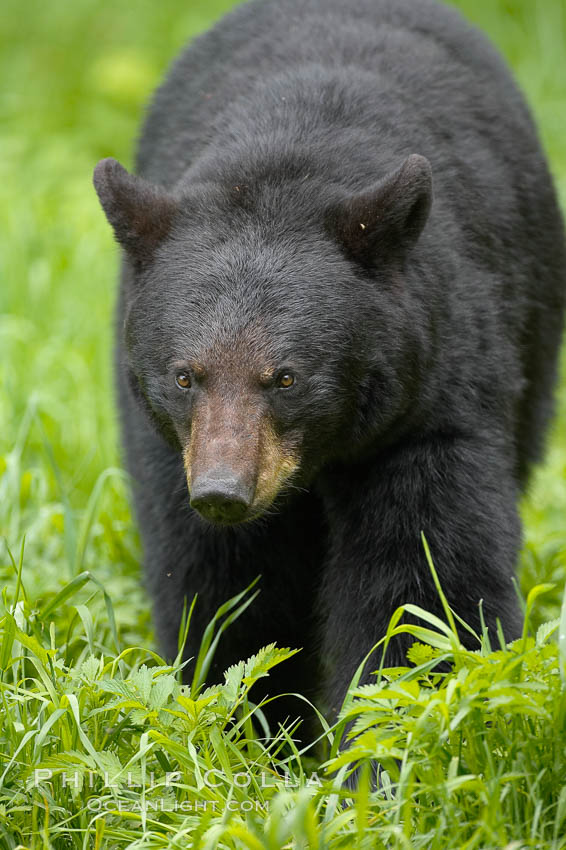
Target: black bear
342, 298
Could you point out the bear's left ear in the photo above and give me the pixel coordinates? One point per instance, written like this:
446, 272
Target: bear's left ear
388, 218
140, 213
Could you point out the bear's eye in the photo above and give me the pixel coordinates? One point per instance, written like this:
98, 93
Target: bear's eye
182, 380
285, 380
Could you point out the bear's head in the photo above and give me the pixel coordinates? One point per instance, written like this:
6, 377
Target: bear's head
266, 324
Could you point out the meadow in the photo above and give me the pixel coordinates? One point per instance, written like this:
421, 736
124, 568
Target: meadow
100, 745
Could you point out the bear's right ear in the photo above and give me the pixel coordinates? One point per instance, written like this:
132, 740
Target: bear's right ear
140, 213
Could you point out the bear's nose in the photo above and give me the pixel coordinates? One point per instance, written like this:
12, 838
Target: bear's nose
222, 500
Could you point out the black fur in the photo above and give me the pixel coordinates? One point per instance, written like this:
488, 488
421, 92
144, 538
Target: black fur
425, 343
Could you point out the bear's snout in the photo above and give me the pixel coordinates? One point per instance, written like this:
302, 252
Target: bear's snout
235, 462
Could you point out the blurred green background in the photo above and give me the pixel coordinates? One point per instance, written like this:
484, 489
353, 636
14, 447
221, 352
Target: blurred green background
75, 78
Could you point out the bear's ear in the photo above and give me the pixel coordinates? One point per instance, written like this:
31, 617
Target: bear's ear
388, 218
140, 213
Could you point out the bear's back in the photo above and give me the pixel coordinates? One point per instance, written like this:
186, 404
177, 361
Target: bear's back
424, 53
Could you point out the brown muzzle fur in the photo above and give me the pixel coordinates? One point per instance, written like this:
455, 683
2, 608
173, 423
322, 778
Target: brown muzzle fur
235, 463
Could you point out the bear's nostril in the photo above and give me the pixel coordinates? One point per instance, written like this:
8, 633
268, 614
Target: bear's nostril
223, 502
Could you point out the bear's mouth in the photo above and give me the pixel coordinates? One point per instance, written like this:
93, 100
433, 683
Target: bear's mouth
222, 519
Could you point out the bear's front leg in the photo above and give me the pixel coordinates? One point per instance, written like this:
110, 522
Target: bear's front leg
462, 494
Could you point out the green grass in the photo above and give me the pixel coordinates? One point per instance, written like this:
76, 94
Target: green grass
474, 758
